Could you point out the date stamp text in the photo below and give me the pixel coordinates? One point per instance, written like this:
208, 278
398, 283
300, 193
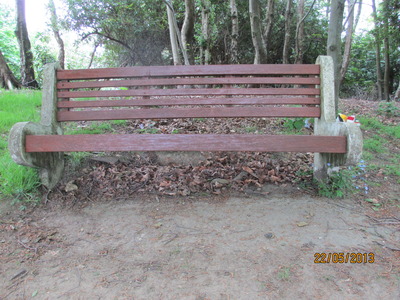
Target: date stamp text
344, 258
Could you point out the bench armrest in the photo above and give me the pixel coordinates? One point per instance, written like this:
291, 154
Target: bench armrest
50, 165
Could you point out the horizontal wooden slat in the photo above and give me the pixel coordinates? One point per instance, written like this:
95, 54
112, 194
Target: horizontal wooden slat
186, 142
189, 101
197, 112
192, 92
188, 81
195, 70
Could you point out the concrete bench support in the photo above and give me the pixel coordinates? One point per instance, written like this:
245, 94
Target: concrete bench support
327, 125
50, 165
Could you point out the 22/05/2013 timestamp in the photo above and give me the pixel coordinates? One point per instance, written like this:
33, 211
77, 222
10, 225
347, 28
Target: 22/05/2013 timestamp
341, 257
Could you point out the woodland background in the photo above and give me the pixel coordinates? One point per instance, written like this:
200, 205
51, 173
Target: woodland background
157, 32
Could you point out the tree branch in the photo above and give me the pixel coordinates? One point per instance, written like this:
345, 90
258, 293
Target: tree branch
109, 38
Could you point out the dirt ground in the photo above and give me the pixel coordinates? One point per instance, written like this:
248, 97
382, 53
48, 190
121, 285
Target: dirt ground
244, 246
136, 230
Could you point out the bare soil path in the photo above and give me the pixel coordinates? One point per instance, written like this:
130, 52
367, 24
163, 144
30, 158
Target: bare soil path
227, 247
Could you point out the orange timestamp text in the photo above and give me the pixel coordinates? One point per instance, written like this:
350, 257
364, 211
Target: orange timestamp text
344, 258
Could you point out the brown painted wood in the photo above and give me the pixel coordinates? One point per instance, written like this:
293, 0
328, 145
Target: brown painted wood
191, 92
188, 81
195, 70
186, 142
197, 112
189, 101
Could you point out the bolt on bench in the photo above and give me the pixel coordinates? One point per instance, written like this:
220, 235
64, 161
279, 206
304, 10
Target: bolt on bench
165, 92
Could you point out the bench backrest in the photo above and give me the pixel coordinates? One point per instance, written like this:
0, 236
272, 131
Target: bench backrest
219, 91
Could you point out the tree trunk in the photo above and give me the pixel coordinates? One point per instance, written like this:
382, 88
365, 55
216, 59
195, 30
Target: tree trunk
299, 39
286, 42
360, 4
187, 32
348, 40
96, 45
377, 52
7, 78
386, 76
235, 33
205, 30
397, 94
260, 55
175, 29
57, 35
173, 37
334, 42
269, 19
27, 71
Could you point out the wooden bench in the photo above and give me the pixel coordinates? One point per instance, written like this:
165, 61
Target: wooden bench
174, 92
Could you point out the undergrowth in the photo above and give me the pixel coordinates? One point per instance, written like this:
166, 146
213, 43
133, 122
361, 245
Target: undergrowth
17, 182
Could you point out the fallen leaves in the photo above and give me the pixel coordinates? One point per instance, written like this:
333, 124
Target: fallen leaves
217, 173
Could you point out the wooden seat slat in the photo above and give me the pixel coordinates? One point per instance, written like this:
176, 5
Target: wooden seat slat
193, 70
189, 101
188, 81
196, 112
186, 142
194, 92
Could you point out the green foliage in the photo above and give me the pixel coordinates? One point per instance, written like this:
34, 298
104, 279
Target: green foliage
136, 32
337, 185
294, 124
368, 123
8, 42
133, 32
374, 145
76, 158
388, 109
15, 180
284, 273
361, 77
366, 155
93, 128
42, 54
18, 106
393, 169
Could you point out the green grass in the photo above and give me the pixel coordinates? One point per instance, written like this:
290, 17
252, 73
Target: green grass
93, 128
15, 180
378, 142
18, 106
382, 129
251, 129
374, 145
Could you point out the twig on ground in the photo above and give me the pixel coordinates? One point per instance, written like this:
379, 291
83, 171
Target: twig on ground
27, 247
21, 273
386, 246
175, 235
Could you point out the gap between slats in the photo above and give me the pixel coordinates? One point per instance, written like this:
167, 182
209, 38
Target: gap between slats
188, 81
193, 92
197, 112
190, 101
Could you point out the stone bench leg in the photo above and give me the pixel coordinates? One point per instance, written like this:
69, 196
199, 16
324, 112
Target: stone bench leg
324, 161
50, 165
327, 125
